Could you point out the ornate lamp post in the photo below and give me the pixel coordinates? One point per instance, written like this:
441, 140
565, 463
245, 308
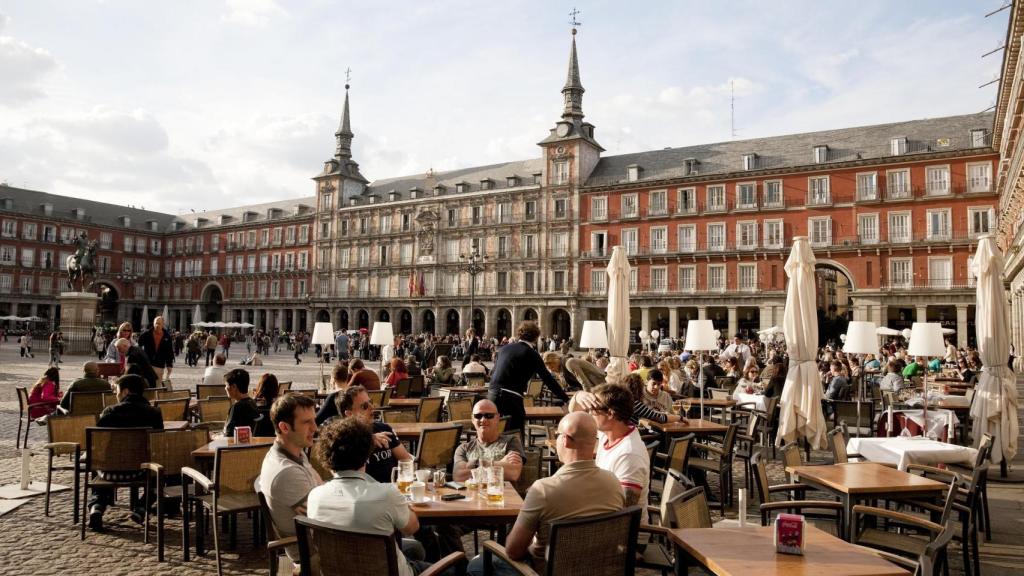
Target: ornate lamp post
472, 265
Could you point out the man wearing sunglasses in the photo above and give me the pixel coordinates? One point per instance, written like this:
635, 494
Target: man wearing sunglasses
505, 450
387, 448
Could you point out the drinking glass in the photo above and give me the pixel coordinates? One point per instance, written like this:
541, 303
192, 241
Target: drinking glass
474, 483
495, 486
403, 475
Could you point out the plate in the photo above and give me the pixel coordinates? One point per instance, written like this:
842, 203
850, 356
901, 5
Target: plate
425, 500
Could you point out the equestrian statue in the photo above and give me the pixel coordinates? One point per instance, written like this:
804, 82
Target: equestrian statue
81, 264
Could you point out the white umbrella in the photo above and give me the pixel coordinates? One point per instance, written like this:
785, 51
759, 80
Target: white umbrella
197, 317
995, 404
145, 316
618, 315
770, 331
166, 315
883, 331
800, 404
948, 331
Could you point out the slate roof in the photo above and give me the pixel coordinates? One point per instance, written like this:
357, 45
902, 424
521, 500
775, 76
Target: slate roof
524, 169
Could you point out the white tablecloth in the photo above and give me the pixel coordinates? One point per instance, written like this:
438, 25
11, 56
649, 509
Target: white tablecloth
902, 451
939, 421
743, 398
953, 400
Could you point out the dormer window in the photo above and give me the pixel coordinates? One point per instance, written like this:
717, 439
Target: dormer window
461, 187
487, 184
198, 223
78, 213
439, 190
353, 201
512, 181
632, 173
537, 178
373, 199
125, 221
750, 161
690, 166
276, 212
47, 209
153, 225
224, 219
414, 192
978, 139
820, 154
8, 204
248, 216
300, 209
898, 146
392, 195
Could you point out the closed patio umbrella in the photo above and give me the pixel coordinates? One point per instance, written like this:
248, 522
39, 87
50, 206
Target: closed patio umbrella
196, 316
618, 316
145, 316
800, 414
995, 398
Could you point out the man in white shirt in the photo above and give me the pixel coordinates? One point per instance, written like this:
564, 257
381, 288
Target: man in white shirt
738, 349
620, 449
215, 374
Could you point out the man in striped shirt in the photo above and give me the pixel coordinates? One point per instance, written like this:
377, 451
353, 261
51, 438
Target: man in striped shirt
620, 450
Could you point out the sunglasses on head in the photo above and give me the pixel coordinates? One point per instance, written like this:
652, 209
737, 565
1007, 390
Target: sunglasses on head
484, 416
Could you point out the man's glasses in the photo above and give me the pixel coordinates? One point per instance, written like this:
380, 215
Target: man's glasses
564, 434
484, 416
366, 405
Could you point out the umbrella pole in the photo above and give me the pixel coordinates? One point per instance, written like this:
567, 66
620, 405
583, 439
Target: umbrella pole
860, 390
701, 378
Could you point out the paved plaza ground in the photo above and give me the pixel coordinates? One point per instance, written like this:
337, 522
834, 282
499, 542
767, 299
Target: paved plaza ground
31, 543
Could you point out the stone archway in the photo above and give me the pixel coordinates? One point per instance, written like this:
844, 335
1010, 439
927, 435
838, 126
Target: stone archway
478, 322
363, 319
530, 314
451, 321
503, 326
833, 299
405, 322
109, 297
343, 320
211, 300
323, 316
383, 316
560, 324
429, 322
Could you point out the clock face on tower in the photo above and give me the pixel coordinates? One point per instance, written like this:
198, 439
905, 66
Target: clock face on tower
562, 129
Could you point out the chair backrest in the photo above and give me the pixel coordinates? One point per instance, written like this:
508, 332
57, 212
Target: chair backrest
173, 409
436, 448
846, 411
402, 388
204, 391
792, 455
152, 394
309, 393
90, 402
337, 551
727, 382
377, 397
214, 409
173, 394
271, 531
679, 453
534, 388
283, 387
416, 386
837, 441
689, 510
651, 449
119, 449
398, 416
673, 486
460, 409
430, 409
22, 399
236, 467
475, 379
502, 423
70, 428
760, 473
603, 544
172, 449
719, 393
730, 440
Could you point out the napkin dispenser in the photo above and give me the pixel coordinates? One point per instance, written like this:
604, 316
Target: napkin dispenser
243, 434
789, 533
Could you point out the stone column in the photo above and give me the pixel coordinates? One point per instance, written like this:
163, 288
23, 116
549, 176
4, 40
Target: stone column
645, 318
673, 322
922, 314
961, 325
702, 312
733, 321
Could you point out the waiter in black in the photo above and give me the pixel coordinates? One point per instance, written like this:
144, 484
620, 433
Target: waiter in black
515, 365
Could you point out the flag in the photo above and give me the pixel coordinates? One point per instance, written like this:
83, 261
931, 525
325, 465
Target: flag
412, 284
423, 289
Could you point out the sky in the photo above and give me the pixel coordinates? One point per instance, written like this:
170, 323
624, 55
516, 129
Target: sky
205, 104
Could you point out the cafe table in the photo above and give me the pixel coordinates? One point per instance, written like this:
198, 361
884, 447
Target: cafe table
696, 426
758, 400
176, 424
410, 431
210, 450
464, 389
405, 403
856, 481
905, 450
472, 511
751, 552
540, 413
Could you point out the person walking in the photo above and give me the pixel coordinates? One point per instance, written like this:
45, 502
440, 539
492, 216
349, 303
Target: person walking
515, 366
99, 345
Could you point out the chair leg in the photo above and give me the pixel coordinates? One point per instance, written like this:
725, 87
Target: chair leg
185, 509
85, 504
965, 526
159, 520
17, 438
974, 550
984, 511
216, 539
49, 479
77, 473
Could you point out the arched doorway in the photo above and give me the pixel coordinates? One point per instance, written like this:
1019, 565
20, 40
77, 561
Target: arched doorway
478, 321
833, 301
108, 303
530, 314
383, 316
364, 319
428, 321
451, 321
211, 307
504, 324
323, 316
343, 320
561, 324
405, 322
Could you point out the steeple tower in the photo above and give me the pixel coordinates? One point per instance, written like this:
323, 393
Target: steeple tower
344, 134
573, 89
342, 163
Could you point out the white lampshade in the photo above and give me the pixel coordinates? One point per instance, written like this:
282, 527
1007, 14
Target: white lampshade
595, 334
655, 334
700, 335
323, 334
861, 338
383, 334
926, 340
642, 334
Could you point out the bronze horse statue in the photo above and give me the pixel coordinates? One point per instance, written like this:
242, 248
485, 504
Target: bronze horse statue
81, 265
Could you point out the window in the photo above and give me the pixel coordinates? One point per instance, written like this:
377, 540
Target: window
28, 257
406, 223
504, 246
716, 198
558, 280
629, 240
5, 283
325, 201
504, 212
325, 229
633, 275
289, 235
49, 234
382, 255
265, 235
687, 238
45, 285
746, 235
899, 227
453, 218
773, 194
632, 173
229, 265
657, 202
716, 237
867, 186
629, 206
531, 210
560, 244
214, 263
28, 232
383, 286
215, 241
978, 139
979, 177
747, 277
867, 228
26, 284
687, 202
937, 180
599, 208
773, 234
598, 281
898, 184
344, 258
940, 272
364, 256
820, 231
746, 195
898, 146
501, 282
659, 279
129, 243
10, 228
659, 240
901, 272
820, 154
303, 234
477, 214
716, 277
818, 193
938, 224
405, 253
561, 208
529, 245
980, 219
250, 264
599, 244
750, 161
529, 282
7, 255
385, 223
559, 173
687, 278
250, 239
363, 287
451, 250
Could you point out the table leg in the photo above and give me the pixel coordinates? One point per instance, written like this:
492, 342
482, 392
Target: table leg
851, 525
683, 560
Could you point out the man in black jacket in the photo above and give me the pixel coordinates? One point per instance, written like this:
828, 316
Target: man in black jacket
515, 365
244, 411
131, 411
136, 362
159, 348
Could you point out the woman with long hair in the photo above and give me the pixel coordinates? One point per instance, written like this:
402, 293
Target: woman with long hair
267, 390
398, 371
46, 393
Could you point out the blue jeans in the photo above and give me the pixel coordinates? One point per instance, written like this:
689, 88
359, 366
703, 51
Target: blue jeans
501, 568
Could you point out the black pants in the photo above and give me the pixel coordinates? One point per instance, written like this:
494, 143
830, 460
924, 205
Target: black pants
511, 405
209, 356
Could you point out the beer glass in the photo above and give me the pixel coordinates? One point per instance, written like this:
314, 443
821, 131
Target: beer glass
403, 475
495, 486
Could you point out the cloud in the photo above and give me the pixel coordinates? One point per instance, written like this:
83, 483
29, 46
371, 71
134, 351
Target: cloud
253, 13
135, 132
22, 68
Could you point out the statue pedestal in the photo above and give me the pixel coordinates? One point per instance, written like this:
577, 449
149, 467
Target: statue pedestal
77, 320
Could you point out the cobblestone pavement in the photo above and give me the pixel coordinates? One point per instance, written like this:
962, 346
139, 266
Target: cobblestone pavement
31, 543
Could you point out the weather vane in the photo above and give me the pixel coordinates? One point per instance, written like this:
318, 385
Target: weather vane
573, 21
348, 77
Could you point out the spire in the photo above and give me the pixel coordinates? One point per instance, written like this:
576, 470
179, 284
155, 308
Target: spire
573, 89
344, 133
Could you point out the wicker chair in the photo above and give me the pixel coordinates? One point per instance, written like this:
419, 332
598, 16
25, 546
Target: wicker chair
169, 452
286, 386
534, 391
401, 389
460, 410
475, 379
397, 416
66, 438
795, 495
676, 459
417, 387
173, 394
90, 402
214, 409
845, 412
791, 456
204, 391
436, 447
173, 409
380, 398
337, 551
151, 394
229, 492
429, 409
24, 407
276, 542
595, 545
747, 445
712, 459
114, 449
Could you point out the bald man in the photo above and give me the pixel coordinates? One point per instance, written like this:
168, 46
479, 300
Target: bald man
90, 382
578, 489
505, 450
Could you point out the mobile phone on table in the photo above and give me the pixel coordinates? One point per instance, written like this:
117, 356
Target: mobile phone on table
455, 485
450, 497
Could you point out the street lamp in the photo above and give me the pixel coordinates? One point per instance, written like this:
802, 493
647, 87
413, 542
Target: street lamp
472, 265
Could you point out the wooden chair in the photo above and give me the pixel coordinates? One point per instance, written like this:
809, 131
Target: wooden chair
845, 412
229, 492
401, 389
276, 542
595, 545
828, 512
173, 409
417, 386
173, 394
66, 438
689, 510
90, 402
791, 456
380, 398
151, 394
214, 409
397, 416
747, 445
24, 408
837, 442
169, 452
659, 553
675, 459
436, 447
204, 391
337, 551
534, 391
726, 382
286, 386
475, 379
429, 409
460, 409
711, 459
114, 449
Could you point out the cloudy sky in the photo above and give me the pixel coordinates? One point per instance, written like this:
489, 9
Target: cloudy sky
196, 104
